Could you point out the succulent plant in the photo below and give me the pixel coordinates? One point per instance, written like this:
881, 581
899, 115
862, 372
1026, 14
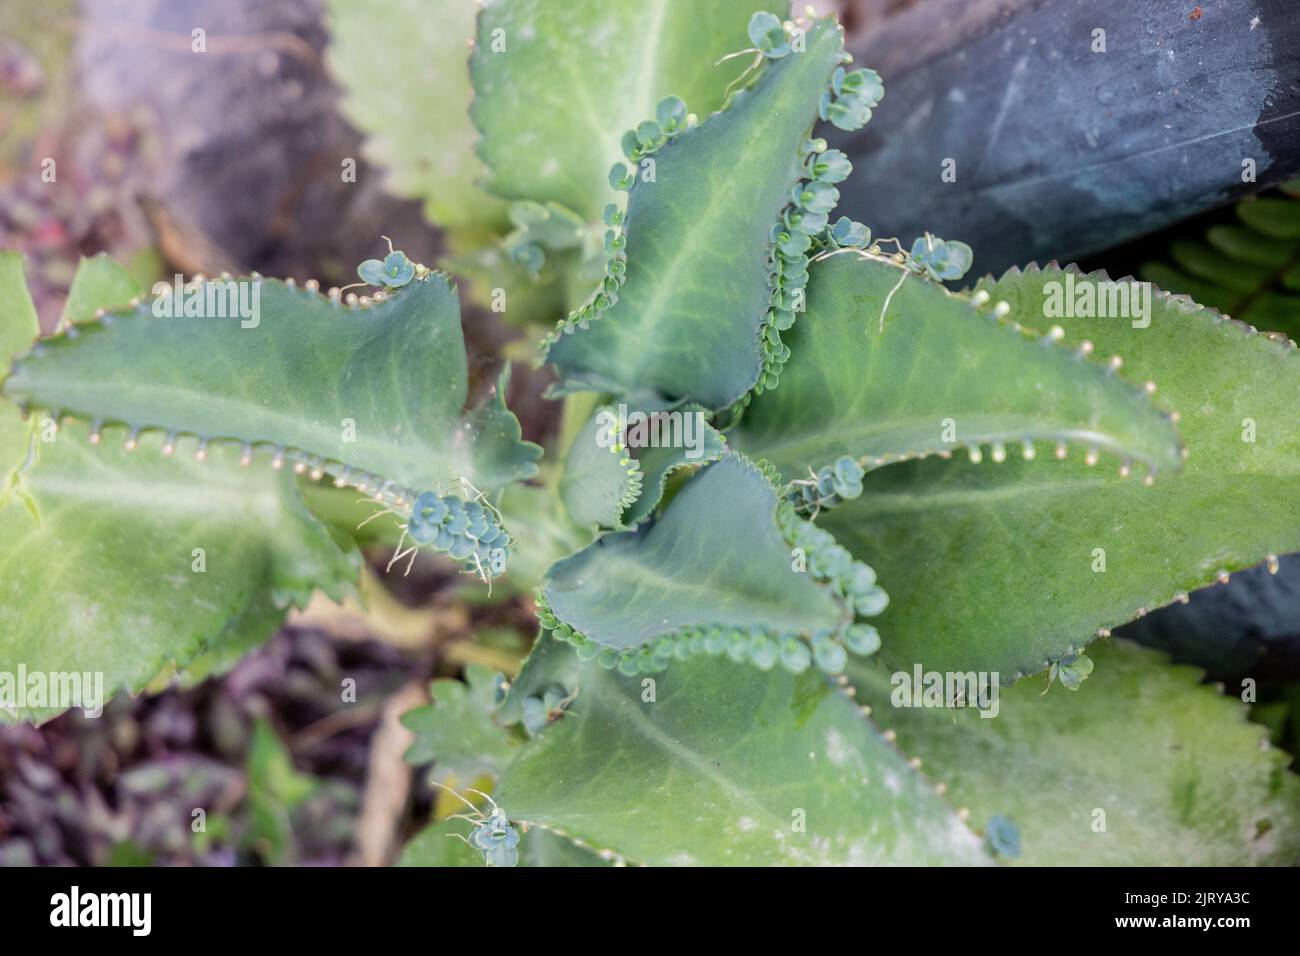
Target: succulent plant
798, 475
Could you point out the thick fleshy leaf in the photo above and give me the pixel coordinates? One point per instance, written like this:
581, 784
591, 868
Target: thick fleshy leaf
936, 375
688, 320
659, 464
557, 84
117, 563
606, 484
19, 325
99, 280
377, 391
543, 847
725, 765
717, 558
404, 69
457, 732
1006, 567
1142, 766
242, 635
133, 560
599, 482
19, 328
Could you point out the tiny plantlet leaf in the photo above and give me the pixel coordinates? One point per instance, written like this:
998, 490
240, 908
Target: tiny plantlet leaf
468, 531
464, 734
446, 844
847, 234
393, 271
943, 261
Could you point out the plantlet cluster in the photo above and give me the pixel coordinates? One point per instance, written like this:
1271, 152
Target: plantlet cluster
466, 530
832, 485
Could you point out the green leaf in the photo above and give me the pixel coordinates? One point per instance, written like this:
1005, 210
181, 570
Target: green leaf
717, 560
271, 771
99, 548
294, 374
936, 375
20, 326
98, 545
606, 484
729, 766
688, 323
99, 281
458, 730
600, 478
404, 69
1278, 217
1000, 559
550, 225
557, 84
1203, 262
250, 630
659, 464
542, 847
1184, 779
